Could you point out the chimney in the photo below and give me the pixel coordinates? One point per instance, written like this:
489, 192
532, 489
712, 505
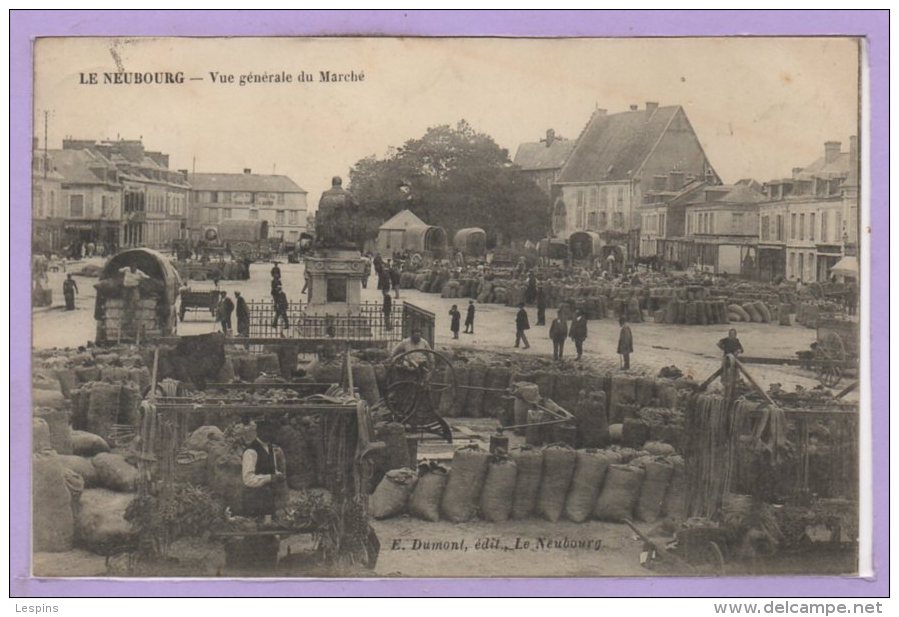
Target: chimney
599, 111
635, 107
651, 108
550, 137
831, 151
247, 170
852, 180
675, 180
659, 182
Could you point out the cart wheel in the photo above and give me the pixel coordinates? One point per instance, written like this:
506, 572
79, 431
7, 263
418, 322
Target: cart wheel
830, 356
417, 380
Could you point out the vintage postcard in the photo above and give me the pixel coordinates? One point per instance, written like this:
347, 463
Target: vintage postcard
403, 307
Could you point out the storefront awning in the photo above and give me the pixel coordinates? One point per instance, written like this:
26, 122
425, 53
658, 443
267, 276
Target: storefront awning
847, 266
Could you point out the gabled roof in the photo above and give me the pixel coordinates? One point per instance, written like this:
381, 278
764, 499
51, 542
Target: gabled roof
403, 220
536, 156
820, 168
243, 183
80, 166
723, 194
615, 146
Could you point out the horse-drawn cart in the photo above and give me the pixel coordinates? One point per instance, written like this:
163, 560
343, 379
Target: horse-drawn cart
198, 301
836, 350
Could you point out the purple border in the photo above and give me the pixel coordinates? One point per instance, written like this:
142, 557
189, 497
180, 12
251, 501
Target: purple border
25, 25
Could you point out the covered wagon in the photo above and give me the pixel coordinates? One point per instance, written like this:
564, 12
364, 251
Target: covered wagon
584, 246
471, 242
131, 312
245, 239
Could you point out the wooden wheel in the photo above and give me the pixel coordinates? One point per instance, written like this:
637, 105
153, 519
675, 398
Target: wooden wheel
417, 381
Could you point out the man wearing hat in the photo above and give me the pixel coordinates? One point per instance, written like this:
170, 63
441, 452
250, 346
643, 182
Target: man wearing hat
521, 325
263, 470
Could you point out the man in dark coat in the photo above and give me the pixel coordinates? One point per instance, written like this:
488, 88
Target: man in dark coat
530, 292
69, 289
263, 471
243, 316
521, 326
395, 279
227, 311
541, 306
469, 318
578, 332
625, 343
558, 332
387, 308
455, 317
281, 306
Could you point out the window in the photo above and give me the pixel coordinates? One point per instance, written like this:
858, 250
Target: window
802, 226
792, 264
293, 217
811, 227
603, 220
37, 199
104, 206
224, 198
737, 222
594, 198
765, 231
212, 215
662, 221
801, 272
619, 220
689, 224
279, 217
619, 202
254, 215
280, 199
51, 211
780, 227
838, 227
824, 216
592, 220
293, 235
604, 197
226, 213
76, 206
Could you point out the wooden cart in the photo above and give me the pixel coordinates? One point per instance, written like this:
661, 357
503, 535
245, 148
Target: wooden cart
198, 301
836, 350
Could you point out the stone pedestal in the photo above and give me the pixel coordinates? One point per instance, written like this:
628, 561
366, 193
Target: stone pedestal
333, 307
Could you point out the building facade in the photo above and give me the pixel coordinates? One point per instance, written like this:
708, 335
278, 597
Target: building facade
47, 222
617, 159
542, 161
811, 220
277, 199
122, 195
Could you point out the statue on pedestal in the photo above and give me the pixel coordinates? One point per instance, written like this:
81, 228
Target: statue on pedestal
337, 222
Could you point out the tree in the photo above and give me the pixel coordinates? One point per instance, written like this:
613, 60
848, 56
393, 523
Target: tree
453, 177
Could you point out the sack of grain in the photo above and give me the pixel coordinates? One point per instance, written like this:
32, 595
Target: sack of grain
226, 373
463, 489
114, 472
52, 520
616, 432
498, 494
645, 391
623, 391
67, 381
666, 393
365, 381
82, 466
558, 468
634, 433
651, 502
393, 491
752, 311
592, 422
88, 444
40, 435
739, 310
205, 438
226, 480
784, 315
85, 374
529, 465
425, 500
676, 497
103, 408
619, 493
762, 308
100, 524
658, 449
60, 430
298, 460
51, 399
589, 472
493, 403
190, 467
546, 383
477, 379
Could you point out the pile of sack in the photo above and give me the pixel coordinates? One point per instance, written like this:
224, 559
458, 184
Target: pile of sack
552, 483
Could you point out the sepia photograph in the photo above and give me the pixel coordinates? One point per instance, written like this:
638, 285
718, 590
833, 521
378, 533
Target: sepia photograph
407, 307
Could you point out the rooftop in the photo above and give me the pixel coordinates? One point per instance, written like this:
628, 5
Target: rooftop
243, 183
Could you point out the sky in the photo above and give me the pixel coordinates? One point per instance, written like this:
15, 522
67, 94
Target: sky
760, 106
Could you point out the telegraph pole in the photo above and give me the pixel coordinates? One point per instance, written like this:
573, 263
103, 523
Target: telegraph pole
46, 155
